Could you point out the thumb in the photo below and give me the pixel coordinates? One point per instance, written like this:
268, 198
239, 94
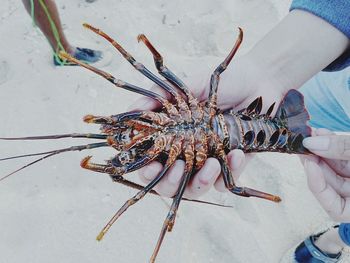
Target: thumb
330, 146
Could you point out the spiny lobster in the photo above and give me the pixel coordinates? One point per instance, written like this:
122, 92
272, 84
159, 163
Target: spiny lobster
183, 129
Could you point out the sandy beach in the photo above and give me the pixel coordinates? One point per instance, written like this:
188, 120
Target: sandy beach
52, 211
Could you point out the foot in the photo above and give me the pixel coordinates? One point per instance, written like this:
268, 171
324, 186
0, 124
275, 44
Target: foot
308, 252
85, 55
324, 247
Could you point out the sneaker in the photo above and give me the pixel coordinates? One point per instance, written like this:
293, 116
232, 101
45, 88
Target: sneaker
85, 55
308, 252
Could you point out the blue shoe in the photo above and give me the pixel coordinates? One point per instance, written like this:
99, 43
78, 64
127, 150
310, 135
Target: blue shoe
308, 252
85, 55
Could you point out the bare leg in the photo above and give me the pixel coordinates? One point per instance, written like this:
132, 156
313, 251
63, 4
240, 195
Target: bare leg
330, 242
42, 20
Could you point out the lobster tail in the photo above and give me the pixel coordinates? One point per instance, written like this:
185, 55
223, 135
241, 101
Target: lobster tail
251, 131
292, 115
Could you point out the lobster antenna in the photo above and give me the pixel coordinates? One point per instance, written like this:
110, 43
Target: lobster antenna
57, 136
52, 153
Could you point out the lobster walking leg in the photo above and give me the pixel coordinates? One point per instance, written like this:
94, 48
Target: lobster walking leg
164, 71
138, 66
173, 154
242, 191
117, 82
136, 186
215, 77
168, 224
100, 168
132, 201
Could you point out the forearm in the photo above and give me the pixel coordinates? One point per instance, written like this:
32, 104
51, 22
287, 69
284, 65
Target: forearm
301, 45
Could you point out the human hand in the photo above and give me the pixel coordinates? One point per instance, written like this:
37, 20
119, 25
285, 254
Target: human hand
329, 173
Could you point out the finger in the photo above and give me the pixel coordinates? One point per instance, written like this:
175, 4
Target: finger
329, 199
169, 185
304, 157
340, 184
330, 146
237, 161
204, 179
149, 172
341, 167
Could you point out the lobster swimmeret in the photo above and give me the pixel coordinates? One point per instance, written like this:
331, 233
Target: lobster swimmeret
183, 129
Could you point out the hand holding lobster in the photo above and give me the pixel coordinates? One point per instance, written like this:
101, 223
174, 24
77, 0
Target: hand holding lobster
329, 172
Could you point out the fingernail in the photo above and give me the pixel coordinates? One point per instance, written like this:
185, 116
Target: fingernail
319, 143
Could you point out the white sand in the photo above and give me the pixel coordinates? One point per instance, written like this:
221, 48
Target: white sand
51, 212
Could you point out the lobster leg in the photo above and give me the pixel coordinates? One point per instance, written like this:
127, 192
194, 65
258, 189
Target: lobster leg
117, 82
164, 71
215, 77
159, 146
242, 191
132, 201
168, 224
136, 186
100, 168
228, 178
143, 70
138, 66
